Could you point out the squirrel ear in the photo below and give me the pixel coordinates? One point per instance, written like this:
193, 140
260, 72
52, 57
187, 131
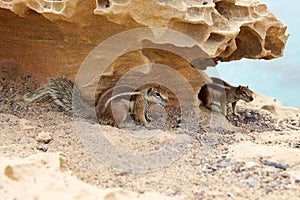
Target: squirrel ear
239, 87
149, 90
247, 86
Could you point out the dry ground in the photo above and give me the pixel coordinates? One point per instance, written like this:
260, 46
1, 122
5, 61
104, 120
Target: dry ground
254, 157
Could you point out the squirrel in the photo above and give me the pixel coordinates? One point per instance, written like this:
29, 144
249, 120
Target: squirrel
62, 92
142, 103
221, 93
59, 90
137, 102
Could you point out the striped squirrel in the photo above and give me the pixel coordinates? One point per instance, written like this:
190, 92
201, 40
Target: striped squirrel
61, 91
221, 93
137, 102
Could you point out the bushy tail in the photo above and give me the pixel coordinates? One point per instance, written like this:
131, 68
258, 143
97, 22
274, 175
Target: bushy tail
42, 94
58, 90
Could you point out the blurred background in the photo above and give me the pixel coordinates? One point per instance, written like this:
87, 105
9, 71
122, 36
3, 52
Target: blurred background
279, 78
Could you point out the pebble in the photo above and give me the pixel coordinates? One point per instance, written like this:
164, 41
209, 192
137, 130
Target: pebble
224, 163
189, 145
251, 165
297, 145
251, 182
68, 131
171, 192
86, 165
42, 148
44, 137
215, 167
237, 166
275, 164
141, 191
5, 119
247, 175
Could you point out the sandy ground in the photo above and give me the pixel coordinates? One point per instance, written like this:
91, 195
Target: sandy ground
46, 154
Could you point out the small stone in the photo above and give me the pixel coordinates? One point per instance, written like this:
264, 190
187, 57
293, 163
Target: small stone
198, 172
251, 165
297, 145
141, 191
248, 114
251, 182
171, 192
285, 175
42, 148
86, 165
247, 175
237, 166
44, 137
122, 173
68, 131
224, 163
5, 119
275, 164
215, 167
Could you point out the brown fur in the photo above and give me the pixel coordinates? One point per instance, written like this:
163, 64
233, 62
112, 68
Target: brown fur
220, 82
143, 103
105, 114
60, 90
214, 94
137, 102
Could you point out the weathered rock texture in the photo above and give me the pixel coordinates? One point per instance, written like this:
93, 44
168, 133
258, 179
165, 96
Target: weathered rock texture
53, 37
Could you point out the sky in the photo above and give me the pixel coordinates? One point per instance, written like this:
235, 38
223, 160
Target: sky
279, 78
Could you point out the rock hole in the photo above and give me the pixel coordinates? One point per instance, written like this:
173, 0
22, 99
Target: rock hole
216, 37
102, 4
248, 44
272, 42
215, 40
9, 173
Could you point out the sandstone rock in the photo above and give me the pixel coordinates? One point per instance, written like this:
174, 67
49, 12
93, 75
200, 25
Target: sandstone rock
49, 38
46, 173
44, 137
270, 108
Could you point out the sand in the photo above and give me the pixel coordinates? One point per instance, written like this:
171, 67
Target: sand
44, 155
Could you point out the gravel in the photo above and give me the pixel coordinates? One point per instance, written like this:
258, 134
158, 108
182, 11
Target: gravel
205, 170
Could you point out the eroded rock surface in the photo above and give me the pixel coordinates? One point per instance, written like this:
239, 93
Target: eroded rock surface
55, 37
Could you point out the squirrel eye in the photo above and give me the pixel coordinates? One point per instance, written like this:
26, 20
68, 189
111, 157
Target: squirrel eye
157, 94
244, 93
